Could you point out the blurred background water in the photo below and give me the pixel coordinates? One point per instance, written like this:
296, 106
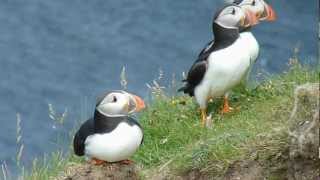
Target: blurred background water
65, 53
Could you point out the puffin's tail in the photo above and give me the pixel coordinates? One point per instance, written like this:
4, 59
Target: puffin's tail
187, 89
182, 89
78, 145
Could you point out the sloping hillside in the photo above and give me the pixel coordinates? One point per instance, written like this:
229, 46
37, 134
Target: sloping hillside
253, 139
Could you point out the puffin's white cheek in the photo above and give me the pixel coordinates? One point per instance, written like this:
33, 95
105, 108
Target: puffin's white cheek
113, 109
104, 109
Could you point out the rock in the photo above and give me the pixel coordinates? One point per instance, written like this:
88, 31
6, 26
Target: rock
111, 171
304, 134
248, 170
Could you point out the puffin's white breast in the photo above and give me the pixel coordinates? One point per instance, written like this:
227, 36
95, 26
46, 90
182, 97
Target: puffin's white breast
117, 145
226, 69
252, 46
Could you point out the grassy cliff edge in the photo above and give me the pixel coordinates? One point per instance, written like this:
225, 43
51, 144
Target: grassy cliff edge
176, 146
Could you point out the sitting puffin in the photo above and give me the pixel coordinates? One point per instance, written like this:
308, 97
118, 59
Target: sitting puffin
263, 12
223, 65
111, 135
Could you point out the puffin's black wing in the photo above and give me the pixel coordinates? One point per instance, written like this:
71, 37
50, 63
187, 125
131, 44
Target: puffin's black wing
195, 75
206, 48
198, 69
85, 130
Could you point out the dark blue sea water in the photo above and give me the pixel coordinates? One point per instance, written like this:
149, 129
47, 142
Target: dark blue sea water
67, 52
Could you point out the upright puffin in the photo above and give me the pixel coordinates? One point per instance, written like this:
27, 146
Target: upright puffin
263, 11
111, 135
225, 62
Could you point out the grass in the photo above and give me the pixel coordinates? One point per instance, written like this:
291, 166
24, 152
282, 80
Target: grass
173, 135
174, 139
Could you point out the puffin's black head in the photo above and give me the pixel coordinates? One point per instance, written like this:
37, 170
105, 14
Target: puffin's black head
260, 8
234, 17
119, 103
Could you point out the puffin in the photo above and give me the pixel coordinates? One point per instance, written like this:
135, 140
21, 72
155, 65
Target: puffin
223, 65
264, 12
112, 135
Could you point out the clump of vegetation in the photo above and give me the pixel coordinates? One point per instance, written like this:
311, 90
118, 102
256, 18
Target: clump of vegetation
175, 142
257, 129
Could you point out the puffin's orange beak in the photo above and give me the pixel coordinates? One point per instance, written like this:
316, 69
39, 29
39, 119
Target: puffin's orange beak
250, 19
139, 103
271, 15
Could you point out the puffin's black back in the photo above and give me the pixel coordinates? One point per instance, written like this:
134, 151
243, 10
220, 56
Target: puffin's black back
85, 130
237, 1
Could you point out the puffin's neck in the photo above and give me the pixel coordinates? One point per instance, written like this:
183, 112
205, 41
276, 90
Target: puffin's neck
224, 35
247, 29
103, 123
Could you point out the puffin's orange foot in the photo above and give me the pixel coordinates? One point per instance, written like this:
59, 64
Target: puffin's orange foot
203, 117
97, 162
126, 162
226, 109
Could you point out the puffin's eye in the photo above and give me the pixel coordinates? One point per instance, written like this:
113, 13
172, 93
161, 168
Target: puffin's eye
114, 99
233, 11
253, 3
